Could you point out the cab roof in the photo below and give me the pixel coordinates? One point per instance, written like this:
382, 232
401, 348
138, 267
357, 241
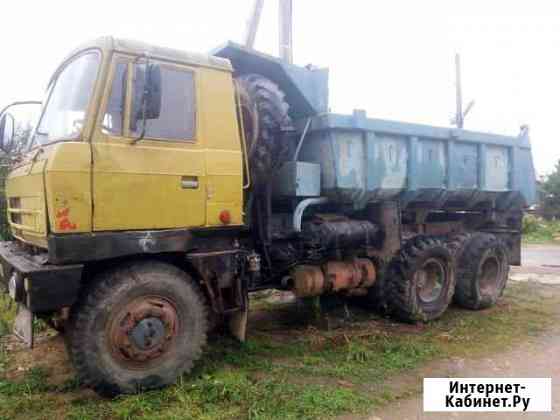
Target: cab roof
109, 43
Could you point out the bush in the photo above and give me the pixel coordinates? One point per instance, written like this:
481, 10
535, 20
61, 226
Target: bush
530, 224
537, 230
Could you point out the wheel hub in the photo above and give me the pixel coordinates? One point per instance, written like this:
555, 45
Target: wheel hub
430, 280
490, 275
147, 333
143, 329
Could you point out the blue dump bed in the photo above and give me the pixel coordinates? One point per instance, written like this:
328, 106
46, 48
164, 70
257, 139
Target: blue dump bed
364, 159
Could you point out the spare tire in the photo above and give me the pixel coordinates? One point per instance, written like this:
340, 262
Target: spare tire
482, 271
265, 118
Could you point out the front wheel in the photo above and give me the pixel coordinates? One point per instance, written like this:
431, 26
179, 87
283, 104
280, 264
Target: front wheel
137, 327
421, 280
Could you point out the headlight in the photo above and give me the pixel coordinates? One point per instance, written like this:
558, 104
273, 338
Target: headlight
15, 288
12, 286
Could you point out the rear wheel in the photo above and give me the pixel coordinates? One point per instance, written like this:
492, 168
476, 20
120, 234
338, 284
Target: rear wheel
138, 327
482, 271
421, 280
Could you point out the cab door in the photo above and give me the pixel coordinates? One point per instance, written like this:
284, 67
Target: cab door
159, 181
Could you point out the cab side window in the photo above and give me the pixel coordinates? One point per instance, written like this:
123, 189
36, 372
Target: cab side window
114, 115
177, 119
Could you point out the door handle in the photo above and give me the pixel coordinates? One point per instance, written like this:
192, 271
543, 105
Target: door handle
189, 182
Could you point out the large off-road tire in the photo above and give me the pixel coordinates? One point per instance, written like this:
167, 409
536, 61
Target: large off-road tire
455, 243
137, 327
376, 298
421, 280
482, 271
265, 117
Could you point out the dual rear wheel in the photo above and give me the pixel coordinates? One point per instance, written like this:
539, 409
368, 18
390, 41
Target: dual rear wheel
430, 272
482, 271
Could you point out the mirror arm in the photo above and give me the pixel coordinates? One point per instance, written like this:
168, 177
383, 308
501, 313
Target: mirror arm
143, 132
13, 126
19, 103
7, 148
144, 99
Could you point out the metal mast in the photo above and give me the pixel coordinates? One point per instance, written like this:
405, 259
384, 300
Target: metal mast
285, 19
285, 30
459, 119
253, 23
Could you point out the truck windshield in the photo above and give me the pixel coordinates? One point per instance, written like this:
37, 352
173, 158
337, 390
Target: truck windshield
67, 100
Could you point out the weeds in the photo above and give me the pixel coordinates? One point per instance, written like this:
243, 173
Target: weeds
300, 372
538, 230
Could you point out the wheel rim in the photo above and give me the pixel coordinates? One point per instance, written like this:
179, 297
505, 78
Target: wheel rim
143, 330
430, 280
490, 274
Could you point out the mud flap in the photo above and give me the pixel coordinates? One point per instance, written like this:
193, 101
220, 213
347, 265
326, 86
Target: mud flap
238, 325
237, 321
23, 325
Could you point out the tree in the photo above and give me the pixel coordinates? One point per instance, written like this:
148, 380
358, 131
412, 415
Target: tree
551, 190
21, 137
20, 144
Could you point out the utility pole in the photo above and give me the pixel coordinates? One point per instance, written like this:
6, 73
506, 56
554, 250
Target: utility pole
253, 23
285, 30
285, 24
459, 119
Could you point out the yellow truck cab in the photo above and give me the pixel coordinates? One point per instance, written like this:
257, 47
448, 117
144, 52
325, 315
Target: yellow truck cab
92, 166
137, 152
160, 187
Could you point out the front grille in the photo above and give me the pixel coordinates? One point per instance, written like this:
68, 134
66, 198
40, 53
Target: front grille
15, 202
15, 218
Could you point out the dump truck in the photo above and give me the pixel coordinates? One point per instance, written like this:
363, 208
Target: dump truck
160, 188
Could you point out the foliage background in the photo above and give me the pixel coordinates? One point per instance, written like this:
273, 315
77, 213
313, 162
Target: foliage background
550, 194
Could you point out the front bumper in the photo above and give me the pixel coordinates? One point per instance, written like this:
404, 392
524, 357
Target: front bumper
31, 281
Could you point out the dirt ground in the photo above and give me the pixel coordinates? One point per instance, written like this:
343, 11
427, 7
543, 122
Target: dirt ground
541, 358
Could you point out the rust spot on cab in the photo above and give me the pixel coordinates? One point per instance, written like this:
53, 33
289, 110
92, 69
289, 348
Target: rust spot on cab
63, 220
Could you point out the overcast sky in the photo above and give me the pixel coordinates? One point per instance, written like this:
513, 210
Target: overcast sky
392, 58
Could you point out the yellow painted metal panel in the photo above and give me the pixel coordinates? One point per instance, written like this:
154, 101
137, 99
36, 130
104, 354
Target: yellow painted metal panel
25, 197
224, 182
223, 189
214, 210
218, 110
223, 154
140, 186
68, 186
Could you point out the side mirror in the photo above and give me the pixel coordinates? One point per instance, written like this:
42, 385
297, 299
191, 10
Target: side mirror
7, 132
146, 104
153, 92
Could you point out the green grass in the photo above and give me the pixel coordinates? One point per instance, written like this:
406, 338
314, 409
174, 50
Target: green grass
7, 314
291, 369
537, 230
